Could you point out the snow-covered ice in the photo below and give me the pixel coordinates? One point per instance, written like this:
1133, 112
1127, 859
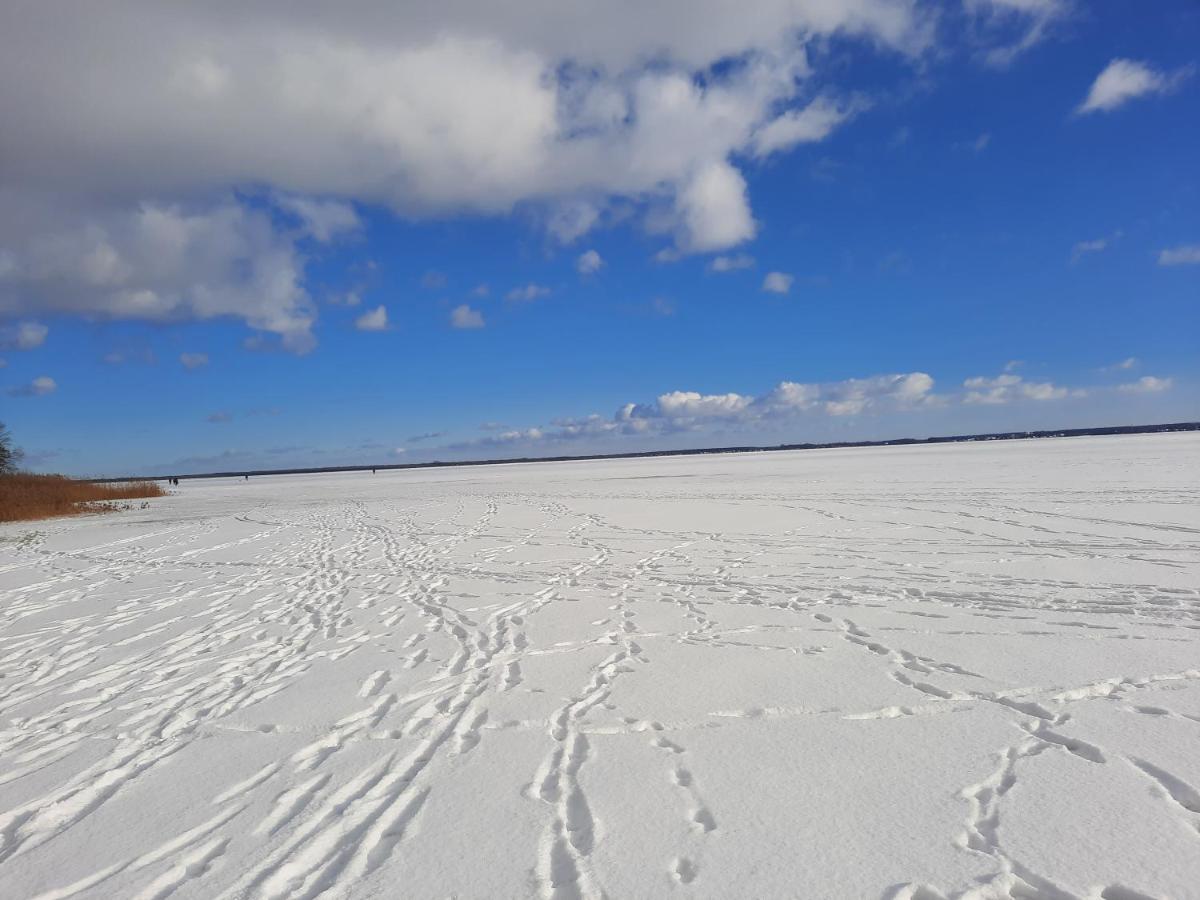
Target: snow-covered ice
958, 670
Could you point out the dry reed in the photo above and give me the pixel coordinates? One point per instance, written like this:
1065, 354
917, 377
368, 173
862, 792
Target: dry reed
25, 497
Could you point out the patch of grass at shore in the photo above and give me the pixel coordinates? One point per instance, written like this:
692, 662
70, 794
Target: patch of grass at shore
26, 497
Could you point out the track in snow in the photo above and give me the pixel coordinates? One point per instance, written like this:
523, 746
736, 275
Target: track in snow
932, 672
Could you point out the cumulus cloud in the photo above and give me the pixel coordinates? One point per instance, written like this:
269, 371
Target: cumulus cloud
23, 336
1183, 255
1126, 79
192, 360
681, 410
731, 263
1147, 384
527, 293
777, 283
713, 210
159, 262
1009, 388
39, 387
374, 320
120, 188
465, 317
589, 262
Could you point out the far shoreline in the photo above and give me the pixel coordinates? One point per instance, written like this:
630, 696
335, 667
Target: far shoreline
1100, 431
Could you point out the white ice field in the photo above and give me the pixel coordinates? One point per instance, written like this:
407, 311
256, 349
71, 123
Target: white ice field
962, 670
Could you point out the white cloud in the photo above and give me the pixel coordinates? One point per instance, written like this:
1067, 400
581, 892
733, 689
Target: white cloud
713, 210
348, 298
23, 336
813, 123
571, 219
39, 387
1147, 384
1183, 255
120, 186
777, 282
460, 108
528, 293
690, 405
1009, 388
44, 385
589, 262
1008, 28
976, 144
731, 263
465, 317
322, 219
193, 361
682, 411
159, 263
1123, 80
1083, 248
687, 409
1129, 362
374, 320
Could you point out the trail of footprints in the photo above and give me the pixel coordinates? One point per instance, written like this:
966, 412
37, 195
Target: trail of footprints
151, 669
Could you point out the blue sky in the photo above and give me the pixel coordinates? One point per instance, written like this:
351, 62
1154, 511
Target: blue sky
623, 229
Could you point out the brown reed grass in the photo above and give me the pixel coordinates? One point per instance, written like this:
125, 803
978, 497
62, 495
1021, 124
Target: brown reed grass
26, 497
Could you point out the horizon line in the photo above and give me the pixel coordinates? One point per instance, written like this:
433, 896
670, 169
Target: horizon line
1095, 431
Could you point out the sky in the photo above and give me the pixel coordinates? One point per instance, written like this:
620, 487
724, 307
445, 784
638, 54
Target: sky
266, 235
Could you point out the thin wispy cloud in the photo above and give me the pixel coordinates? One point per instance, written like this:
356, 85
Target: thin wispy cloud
1096, 245
1147, 384
527, 293
23, 336
1123, 80
38, 387
1124, 365
731, 263
1183, 255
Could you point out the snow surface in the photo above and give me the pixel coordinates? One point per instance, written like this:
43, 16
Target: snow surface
962, 670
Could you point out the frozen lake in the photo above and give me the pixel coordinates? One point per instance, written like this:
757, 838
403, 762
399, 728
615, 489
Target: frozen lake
959, 670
